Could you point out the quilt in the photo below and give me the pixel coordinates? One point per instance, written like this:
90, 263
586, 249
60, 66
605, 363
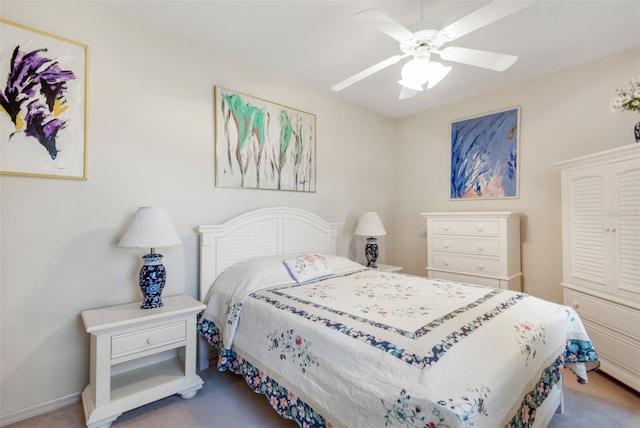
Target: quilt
365, 348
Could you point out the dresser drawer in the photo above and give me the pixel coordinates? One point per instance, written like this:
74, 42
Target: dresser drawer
473, 265
609, 346
467, 279
467, 227
142, 340
615, 316
489, 247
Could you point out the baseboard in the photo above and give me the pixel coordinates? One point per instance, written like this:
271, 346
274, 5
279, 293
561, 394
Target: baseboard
38, 409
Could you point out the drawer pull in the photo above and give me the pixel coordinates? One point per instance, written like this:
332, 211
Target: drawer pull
480, 248
480, 267
150, 340
446, 262
575, 304
446, 245
446, 228
480, 228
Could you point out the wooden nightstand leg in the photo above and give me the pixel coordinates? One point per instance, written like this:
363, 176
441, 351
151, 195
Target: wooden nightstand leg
101, 369
203, 353
190, 349
190, 393
104, 423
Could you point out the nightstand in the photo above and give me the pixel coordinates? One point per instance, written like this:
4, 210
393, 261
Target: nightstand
388, 268
139, 356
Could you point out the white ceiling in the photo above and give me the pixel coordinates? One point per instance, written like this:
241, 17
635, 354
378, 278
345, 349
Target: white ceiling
319, 43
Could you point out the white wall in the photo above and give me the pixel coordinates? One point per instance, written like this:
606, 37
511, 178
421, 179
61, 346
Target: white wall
151, 142
562, 115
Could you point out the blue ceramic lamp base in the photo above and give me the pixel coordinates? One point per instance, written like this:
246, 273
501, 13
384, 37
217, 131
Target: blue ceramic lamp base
152, 279
371, 252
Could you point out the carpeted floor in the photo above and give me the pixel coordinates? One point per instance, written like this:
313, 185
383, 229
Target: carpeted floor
227, 402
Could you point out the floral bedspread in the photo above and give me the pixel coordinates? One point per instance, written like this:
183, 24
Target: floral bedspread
371, 349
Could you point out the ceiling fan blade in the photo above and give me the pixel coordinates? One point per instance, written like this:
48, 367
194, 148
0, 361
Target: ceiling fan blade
384, 23
487, 14
367, 72
406, 93
491, 60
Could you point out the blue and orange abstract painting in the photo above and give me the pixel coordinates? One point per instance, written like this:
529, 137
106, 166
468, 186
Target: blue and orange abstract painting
484, 156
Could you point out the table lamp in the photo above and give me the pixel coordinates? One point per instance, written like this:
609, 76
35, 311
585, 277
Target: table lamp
370, 226
151, 227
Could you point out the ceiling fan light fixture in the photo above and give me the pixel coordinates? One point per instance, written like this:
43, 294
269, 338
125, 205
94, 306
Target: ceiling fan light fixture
410, 85
437, 72
421, 70
415, 73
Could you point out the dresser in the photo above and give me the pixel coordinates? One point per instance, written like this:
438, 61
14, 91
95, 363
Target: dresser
475, 247
601, 254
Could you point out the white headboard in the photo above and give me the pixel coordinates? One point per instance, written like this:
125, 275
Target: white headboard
263, 232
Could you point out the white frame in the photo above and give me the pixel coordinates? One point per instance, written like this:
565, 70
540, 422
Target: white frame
263, 232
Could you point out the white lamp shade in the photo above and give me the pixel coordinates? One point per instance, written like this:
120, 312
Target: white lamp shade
150, 228
437, 72
370, 225
421, 70
415, 73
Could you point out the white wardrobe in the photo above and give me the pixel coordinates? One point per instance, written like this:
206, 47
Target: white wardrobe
601, 254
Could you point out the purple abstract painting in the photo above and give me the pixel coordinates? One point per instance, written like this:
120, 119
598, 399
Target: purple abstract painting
42, 103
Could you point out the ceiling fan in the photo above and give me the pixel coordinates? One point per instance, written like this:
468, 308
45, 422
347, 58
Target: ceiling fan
422, 44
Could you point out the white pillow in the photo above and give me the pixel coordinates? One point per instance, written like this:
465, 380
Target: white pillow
308, 267
342, 265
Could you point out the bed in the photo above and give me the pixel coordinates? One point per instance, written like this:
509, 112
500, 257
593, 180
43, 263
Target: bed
332, 343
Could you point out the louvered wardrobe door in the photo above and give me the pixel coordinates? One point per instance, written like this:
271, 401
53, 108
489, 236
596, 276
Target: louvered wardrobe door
625, 224
587, 264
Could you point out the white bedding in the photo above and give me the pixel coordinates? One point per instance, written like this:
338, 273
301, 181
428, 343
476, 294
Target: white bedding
365, 348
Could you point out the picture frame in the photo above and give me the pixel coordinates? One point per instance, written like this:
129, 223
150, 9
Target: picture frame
263, 145
43, 103
484, 156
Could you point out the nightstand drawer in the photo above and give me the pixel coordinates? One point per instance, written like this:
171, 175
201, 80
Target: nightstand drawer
466, 264
474, 227
462, 245
142, 340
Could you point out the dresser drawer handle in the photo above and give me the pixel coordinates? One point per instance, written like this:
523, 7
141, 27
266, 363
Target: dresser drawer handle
480, 248
446, 228
480, 267
446, 262
575, 304
150, 340
446, 245
480, 228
